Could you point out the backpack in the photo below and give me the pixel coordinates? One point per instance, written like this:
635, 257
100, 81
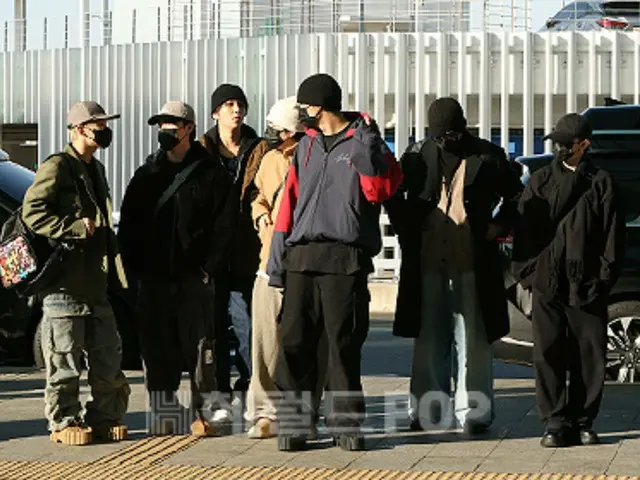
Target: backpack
28, 261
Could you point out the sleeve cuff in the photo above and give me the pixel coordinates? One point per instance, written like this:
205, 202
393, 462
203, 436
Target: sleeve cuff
276, 280
78, 229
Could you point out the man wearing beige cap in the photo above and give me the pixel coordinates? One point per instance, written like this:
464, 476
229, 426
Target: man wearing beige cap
175, 233
69, 202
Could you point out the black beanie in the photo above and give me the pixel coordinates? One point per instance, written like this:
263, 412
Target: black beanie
445, 114
226, 92
321, 90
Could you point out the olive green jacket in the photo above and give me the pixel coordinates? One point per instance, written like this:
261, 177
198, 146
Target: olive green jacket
61, 195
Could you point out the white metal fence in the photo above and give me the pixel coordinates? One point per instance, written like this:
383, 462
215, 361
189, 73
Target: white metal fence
506, 82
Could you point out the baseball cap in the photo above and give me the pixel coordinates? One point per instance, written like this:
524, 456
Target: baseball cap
445, 115
320, 90
173, 110
86, 112
569, 128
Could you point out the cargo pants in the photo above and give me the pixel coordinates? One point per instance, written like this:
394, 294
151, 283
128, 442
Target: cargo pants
72, 326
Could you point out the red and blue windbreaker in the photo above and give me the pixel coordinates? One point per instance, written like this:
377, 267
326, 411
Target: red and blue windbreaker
335, 195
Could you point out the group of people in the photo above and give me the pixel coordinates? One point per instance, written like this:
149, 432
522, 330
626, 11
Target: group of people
275, 234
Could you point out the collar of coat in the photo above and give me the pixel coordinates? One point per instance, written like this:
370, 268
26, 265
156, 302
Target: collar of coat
248, 138
475, 154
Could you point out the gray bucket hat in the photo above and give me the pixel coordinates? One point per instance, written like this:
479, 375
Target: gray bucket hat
87, 112
174, 110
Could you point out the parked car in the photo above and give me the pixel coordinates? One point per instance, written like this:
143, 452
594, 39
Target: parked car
20, 333
616, 148
605, 15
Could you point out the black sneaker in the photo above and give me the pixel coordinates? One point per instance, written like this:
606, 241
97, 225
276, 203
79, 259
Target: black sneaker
351, 442
416, 425
555, 439
475, 428
292, 443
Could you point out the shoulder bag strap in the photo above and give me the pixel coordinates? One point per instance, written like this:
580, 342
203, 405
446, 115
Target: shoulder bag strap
175, 185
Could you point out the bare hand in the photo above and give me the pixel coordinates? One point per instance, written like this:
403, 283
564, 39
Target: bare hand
205, 276
90, 225
264, 221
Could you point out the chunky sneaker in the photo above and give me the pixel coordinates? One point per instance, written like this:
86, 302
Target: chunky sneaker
202, 428
74, 434
263, 428
109, 432
351, 442
292, 443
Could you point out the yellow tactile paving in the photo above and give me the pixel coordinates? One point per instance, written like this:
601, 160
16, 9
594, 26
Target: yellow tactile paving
150, 450
143, 471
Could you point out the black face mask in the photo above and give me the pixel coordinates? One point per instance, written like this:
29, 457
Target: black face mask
103, 138
308, 120
562, 152
168, 139
451, 145
272, 136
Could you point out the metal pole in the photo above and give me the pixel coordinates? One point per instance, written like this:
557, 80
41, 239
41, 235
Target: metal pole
191, 20
106, 24
85, 35
66, 31
361, 23
46, 33
159, 23
169, 21
133, 25
6, 36
20, 24
185, 21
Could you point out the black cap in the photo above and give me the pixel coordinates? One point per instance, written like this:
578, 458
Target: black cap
226, 92
569, 128
321, 90
446, 115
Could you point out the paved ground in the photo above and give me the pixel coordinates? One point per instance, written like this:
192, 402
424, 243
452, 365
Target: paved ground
512, 446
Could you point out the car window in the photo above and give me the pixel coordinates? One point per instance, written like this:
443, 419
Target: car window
575, 10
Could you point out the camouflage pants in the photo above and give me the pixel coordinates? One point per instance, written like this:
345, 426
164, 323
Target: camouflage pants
71, 326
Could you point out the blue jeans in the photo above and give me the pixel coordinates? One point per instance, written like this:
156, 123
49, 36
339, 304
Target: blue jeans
451, 322
239, 308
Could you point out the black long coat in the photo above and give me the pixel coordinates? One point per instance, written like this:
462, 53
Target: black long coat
490, 178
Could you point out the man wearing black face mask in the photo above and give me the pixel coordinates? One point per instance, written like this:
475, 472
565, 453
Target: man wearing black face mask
451, 294
568, 249
175, 227
70, 202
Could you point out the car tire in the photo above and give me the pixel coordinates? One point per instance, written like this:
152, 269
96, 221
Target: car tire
623, 342
38, 354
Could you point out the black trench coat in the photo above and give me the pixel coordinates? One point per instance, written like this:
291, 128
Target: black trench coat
490, 178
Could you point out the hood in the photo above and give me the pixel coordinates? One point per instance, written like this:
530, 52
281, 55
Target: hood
288, 147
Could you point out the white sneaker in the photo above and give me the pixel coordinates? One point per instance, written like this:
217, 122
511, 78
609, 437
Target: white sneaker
263, 428
222, 415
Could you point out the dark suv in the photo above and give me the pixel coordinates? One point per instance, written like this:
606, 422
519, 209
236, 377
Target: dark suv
615, 148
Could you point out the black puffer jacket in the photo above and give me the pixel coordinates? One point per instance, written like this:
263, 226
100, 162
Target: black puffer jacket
193, 229
570, 237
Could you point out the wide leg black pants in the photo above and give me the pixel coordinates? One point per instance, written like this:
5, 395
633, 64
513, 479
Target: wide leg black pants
339, 306
173, 318
574, 340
